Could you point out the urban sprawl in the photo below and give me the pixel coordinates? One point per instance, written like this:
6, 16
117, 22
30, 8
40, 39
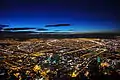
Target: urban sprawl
60, 59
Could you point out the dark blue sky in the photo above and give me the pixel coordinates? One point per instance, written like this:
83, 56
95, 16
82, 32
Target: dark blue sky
83, 15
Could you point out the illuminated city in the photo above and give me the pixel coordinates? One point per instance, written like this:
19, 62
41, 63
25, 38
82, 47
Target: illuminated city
56, 59
59, 40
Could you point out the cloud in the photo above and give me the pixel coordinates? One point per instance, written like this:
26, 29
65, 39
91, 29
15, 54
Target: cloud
42, 29
57, 30
2, 26
57, 25
24, 32
70, 30
18, 28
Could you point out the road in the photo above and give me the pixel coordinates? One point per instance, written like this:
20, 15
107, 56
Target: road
90, 60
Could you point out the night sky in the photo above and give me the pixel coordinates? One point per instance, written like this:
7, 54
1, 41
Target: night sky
82, 15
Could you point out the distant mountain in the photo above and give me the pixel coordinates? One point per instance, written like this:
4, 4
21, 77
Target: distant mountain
31, 34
